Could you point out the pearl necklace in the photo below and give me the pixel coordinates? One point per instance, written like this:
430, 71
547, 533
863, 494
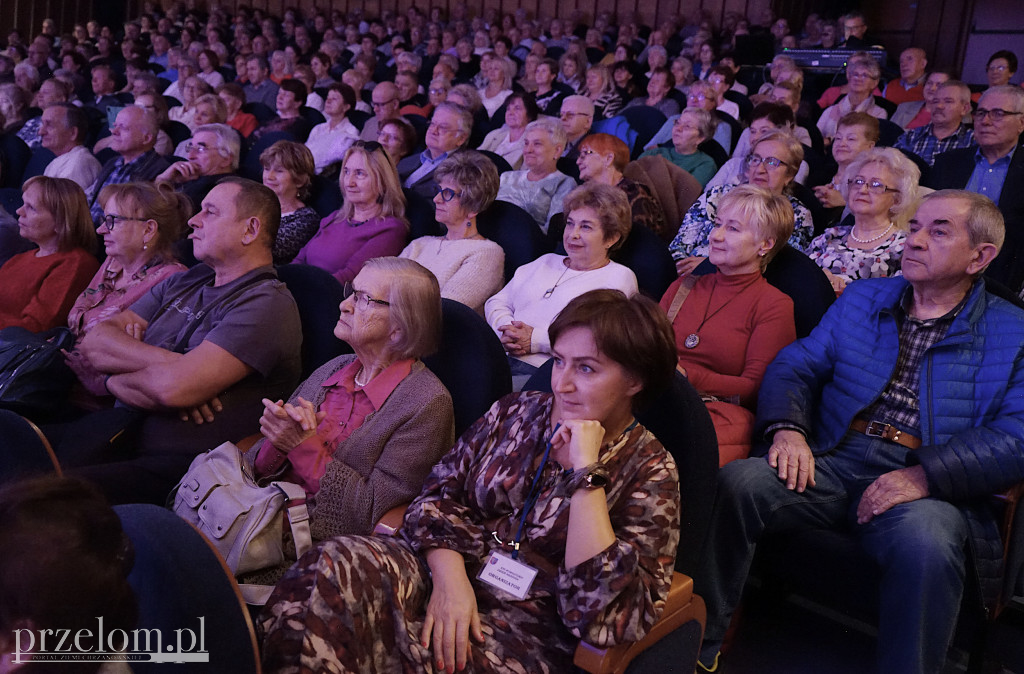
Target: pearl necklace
356, 379
887, 230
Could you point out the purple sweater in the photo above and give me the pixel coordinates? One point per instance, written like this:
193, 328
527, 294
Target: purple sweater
342, 247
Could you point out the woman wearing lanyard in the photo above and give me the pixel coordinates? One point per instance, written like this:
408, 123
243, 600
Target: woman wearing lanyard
553, 519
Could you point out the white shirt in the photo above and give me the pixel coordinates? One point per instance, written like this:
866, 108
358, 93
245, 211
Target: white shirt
77, 164
329, 145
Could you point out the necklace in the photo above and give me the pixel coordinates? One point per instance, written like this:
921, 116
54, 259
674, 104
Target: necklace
551, 291
693, 339
854, 236
360, 384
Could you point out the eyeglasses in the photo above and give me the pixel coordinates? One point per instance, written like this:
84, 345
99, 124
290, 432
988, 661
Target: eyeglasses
376, 105
755, 160
874, 186
447, 193
438, 92
587, 152
696, 97
368, 145
111, 220
566, 114
997, 114
361, 299
200, 148
997, 69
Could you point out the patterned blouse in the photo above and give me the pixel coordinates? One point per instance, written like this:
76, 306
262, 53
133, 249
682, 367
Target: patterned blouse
692, 239
374, 591
830, 252
296, 229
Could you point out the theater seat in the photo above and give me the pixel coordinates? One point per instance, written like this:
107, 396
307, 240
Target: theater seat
318, 296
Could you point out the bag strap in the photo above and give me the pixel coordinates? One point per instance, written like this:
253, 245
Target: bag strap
681, 292
298, 519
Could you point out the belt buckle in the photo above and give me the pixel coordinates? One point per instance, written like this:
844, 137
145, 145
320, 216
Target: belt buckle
877, 429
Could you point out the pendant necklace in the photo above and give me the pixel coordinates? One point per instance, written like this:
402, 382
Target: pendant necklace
550, 291
693, 339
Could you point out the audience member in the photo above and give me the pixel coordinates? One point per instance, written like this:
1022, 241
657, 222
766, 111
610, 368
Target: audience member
903, 473
596, 225
659, 86
499, 85
690, 129
993, 169
729, 325
40, 285
915, 114
947, 130
863, 73
329, 141
602, 93
721, 80
103, 88
192, 88
448, 131
857, 133
909, 86
233, 96
881, 190
211, 154
468, 267
577, 117
772, 165
1001, 68
63, 132
371, 221
602, 159
259, 88
288, 170
549, 93
764, 118
539, 187
492, 463
132, 137
362, 433
385, 107
190, 361
399, 138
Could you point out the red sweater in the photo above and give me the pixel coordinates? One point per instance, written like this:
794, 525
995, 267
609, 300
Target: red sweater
38, 292
748, 322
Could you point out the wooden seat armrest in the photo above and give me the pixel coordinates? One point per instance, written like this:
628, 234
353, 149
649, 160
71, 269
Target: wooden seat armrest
681, 606
246, 443
391, 521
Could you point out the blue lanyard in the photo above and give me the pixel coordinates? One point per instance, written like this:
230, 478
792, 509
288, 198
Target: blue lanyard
532, 495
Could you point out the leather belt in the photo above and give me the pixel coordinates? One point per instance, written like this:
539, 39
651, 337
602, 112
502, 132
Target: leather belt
878, 429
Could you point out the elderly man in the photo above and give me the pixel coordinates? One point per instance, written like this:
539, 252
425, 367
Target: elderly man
133, 137
896, 419
947, 131
577, 117
448, 131
103, 88
211, 154
190, 362
259, 89
63, 132
915, 114
995, 169
910, 84
385, 101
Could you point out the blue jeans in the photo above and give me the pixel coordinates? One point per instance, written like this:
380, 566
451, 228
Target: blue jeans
920, 547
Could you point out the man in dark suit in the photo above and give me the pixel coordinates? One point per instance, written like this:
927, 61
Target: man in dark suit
995, 169
448, 131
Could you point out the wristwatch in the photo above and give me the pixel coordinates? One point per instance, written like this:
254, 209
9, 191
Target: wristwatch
593, 476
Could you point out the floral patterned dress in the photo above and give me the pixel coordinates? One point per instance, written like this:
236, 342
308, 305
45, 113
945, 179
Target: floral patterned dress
692, 239
357, 604
831, 252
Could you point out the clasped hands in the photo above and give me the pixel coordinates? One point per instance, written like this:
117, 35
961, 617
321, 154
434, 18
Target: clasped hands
286, 425
516, 338
791, 455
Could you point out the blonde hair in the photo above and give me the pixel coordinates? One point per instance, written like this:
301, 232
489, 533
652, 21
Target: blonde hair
770, 214
384, 178
159, 202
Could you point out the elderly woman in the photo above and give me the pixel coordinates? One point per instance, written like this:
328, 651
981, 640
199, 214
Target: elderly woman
730, 324
682, 71
288, 170
41, 285
539, 187
281, 67
602, 159
603, 558
857, 133
602, 92
772, 164
507, 141
862, 73
191, 90
499, 84
362, 433
764, 119
881, 190
14, 102
468, 266
210, 109
371, 221
597, 225
437, 92
692, 127
572, 68
398, 137
140, 224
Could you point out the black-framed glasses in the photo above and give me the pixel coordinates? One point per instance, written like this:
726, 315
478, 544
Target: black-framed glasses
111, 220
360, 298
874, 186
447, 193
198, 147
369, 145
755, 160
997, 114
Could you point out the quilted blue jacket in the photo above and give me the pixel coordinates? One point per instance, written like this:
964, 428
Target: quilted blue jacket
971, 397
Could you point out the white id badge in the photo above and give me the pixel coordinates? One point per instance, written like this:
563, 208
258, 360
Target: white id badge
505, 573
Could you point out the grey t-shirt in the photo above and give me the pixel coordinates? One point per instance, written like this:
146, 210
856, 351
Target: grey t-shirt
259, 326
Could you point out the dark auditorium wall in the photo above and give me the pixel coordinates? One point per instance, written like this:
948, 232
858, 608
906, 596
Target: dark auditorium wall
955, 33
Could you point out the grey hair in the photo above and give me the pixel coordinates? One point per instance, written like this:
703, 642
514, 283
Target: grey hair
907, 174
229, 145
552, 127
